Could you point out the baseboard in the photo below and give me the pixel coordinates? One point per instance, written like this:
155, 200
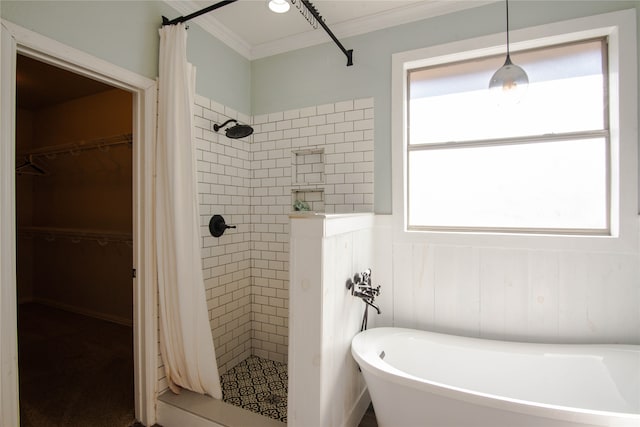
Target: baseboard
84, 311
358, 410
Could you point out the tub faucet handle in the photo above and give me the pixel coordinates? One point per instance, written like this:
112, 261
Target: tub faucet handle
357, 278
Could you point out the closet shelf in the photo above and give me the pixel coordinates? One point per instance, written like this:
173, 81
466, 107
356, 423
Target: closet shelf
102, 237
75, 148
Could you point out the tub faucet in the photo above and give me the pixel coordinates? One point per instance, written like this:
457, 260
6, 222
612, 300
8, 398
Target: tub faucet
366, 292
361, 287
362, 281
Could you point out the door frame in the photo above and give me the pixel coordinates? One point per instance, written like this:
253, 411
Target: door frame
18, 40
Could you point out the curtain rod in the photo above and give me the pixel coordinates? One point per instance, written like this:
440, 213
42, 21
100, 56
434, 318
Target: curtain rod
307, 4
165, 20
312, 9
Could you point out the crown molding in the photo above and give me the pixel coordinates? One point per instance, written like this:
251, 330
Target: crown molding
368, 24
407, 14
212, 26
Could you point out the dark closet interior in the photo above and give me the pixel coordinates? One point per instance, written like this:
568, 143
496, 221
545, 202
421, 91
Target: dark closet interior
74, 248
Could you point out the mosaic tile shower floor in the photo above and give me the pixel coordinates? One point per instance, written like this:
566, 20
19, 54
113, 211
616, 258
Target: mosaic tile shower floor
258, 385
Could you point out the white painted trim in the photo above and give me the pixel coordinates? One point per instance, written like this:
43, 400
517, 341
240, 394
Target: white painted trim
145, 324
62, 56
312, 37
17, 39
212, 26
9, 409
405, 15
620, 27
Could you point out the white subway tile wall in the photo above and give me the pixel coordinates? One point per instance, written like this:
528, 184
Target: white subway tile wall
322, 155
224, 186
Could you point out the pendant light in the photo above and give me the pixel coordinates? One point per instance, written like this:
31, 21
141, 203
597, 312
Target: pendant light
510, 79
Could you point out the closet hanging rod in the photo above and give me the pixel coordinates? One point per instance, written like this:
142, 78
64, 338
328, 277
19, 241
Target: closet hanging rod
166, 21
76, 147
102, 237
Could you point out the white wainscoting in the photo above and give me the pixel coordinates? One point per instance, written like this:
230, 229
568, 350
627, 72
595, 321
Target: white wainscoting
325, 386
568, 296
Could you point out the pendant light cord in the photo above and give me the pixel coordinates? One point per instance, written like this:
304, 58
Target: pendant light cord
507, 2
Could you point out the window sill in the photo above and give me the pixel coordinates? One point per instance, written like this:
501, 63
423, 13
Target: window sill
626, 242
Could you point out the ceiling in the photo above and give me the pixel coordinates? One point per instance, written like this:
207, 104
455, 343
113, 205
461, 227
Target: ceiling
250, 28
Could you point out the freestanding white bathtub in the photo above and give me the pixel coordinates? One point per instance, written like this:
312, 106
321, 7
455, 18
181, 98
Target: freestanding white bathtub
418, 378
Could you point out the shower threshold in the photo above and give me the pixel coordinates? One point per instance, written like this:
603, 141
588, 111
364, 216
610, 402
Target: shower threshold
197, 410
254, 394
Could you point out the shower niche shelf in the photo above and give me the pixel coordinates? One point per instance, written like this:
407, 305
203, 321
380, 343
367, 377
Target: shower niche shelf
307, 166
312, 197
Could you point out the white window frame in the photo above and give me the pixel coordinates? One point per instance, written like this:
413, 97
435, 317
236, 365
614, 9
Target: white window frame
620, 28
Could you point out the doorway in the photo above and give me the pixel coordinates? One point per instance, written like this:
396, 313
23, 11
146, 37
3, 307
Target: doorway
18, 40
74, 248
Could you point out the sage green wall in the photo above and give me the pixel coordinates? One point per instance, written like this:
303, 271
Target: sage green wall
125, 33
318, 75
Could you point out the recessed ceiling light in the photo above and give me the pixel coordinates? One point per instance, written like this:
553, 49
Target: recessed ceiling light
279, 6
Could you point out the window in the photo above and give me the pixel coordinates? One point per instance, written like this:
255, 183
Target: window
543, 165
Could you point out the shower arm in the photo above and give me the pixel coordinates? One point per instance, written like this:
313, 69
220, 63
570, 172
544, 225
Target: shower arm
217, 127
166, 21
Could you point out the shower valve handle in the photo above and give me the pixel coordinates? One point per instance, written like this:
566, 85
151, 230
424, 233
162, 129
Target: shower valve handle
217, 226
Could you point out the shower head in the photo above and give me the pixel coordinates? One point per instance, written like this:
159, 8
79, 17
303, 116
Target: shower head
236, 131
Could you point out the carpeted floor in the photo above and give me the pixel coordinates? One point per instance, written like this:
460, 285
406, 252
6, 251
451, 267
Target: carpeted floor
258, 385
74, 370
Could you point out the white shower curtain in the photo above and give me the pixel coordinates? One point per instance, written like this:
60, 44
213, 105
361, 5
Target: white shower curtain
185, 335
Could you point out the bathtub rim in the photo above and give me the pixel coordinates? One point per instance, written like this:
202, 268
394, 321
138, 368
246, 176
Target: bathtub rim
366, 354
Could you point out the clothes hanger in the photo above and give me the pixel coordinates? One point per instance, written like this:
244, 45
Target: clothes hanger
30, 168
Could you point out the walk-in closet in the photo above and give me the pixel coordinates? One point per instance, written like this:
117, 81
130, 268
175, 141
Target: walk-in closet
74, 248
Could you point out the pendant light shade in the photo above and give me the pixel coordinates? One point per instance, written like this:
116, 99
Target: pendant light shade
510, 79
